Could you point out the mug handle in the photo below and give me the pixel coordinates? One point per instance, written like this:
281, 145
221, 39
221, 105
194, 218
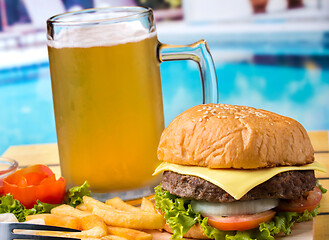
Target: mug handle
199, 53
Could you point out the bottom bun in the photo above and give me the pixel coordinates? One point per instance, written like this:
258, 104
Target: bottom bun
194, 232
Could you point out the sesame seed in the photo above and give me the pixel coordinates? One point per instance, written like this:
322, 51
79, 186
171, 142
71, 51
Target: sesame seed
224, 116
199, 110
200, 119
206, 112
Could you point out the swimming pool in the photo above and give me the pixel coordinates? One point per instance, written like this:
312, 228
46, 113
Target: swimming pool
296, 85
299, 90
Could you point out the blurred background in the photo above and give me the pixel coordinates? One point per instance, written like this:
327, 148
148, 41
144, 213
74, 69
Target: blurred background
271, 54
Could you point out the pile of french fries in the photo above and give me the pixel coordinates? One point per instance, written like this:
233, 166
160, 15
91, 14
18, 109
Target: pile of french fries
113, 220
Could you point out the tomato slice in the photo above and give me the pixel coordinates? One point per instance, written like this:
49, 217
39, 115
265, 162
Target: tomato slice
309, 202
34, 183
240, 222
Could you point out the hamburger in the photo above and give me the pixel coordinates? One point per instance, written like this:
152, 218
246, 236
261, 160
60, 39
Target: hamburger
235, 172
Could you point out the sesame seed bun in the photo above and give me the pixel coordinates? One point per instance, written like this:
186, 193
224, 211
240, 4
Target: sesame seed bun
229, 136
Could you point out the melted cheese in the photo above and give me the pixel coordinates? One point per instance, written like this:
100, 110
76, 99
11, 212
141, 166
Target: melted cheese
234, 181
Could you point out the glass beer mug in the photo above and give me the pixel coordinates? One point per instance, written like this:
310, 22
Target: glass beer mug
105, 73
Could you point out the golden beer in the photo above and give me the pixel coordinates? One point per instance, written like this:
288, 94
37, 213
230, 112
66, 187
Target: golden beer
108, 111
105, 73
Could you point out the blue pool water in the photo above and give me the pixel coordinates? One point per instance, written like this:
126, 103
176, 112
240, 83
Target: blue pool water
26, 107
300, 92
295, 86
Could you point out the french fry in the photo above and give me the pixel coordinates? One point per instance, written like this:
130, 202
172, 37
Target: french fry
90, 238
90, 203
57, 220
66, 210
92, 225
87, 219
121, 205
138, 201
92, 221
129, 234
96, 232
113, 237
119, 218
81, 207
140, 220
148, 206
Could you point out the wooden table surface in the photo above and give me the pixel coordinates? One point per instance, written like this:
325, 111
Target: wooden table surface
47, 154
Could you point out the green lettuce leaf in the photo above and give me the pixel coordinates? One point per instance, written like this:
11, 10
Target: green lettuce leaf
180, 217
283, 221
308, 215
42, 207
74, 195
10, 205
211, 232
319, 185
177, 211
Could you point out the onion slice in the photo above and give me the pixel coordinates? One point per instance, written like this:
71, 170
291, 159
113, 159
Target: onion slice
234, 208
8, 217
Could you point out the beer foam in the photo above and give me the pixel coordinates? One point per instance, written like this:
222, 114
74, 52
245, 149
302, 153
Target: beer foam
100, 35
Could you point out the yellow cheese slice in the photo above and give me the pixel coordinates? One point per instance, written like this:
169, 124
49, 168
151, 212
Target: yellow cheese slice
234, 181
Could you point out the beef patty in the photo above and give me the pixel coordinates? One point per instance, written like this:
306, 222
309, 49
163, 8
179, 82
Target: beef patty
286, 185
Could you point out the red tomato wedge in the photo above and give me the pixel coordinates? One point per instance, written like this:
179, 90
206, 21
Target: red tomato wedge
34, 183
309, 203
240, 222
1, 187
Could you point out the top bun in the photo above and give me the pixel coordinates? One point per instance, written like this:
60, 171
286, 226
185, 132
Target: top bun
228, 136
